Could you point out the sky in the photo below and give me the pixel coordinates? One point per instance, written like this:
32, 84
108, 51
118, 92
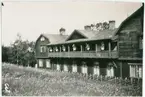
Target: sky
30, 19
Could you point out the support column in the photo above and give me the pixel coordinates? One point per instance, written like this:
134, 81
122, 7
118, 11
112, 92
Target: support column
96, 47
68, 48
109, 45
121, 69
81, 48
60, 48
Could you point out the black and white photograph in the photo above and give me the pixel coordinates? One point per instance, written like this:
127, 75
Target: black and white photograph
72, 48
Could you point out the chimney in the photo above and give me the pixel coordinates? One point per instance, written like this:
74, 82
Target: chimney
112, 24
87, 27
62, 31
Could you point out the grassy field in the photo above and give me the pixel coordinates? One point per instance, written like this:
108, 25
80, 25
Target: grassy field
25, 81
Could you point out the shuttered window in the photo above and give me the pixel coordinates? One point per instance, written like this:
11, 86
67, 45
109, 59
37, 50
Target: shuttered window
74, 68
96, 70
58, 67
84, 69
65, 67
48, 65
40, 63
136, 71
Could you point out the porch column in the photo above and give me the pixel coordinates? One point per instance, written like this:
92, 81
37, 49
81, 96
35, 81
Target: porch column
68, 48
109, 45
121, 69
96, 47
60, 48
81, 48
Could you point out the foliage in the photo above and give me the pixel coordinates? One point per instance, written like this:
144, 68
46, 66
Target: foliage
24, 81
20, 52
100, 26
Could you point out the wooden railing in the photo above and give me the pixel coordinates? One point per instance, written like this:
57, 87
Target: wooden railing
84, 54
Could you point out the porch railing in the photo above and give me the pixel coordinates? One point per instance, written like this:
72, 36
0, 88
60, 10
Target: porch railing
84, 54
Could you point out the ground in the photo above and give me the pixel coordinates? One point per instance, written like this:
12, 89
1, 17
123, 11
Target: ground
26, 81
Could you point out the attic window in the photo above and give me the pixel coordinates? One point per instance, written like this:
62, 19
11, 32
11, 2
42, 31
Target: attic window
42, 38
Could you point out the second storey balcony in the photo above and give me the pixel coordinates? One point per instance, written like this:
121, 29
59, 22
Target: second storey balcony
90, 49
84, 54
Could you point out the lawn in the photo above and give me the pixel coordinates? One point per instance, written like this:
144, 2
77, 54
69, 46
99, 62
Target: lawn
26, 81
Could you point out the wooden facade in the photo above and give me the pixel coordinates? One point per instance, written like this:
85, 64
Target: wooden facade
111, 53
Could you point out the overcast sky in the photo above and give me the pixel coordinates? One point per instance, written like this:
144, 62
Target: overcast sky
30, 19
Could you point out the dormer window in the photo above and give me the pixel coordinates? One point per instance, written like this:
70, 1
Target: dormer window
42, 39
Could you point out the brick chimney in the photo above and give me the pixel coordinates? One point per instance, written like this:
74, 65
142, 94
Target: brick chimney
62, 31
112, 24
87, 27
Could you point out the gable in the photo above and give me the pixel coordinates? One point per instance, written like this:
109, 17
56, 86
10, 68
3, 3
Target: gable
76, 35
134, 21
38, 41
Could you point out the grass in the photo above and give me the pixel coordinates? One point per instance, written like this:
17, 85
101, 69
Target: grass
25, 81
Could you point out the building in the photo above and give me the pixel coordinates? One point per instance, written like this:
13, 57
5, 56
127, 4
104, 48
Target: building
111, 52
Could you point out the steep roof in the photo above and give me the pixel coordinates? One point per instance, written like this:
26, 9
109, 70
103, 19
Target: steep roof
139, 11
55, 38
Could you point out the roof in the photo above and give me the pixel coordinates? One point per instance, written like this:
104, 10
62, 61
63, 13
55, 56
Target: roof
55, 38
91, 36
140, 10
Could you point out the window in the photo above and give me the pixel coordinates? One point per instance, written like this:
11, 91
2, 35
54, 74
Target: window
63, 48
87, 47
56, 49
102, 46
50, 49
84, 69
65, 67
110, 71
135, 70
58, 67
42, 39
43, 49
74, 68
96, 70
74, 47
140, 43
48, 64
40, 63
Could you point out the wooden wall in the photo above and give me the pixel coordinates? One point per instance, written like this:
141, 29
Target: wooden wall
129, 36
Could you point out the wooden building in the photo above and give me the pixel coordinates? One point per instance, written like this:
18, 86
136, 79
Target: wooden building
114, 52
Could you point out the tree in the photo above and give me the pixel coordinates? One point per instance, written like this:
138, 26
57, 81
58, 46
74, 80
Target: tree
4, 54
20, 52
105, 25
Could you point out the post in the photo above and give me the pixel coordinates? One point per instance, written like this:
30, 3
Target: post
121, 70
96, 47
68, 48
81, 48
60, 48
109, 45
